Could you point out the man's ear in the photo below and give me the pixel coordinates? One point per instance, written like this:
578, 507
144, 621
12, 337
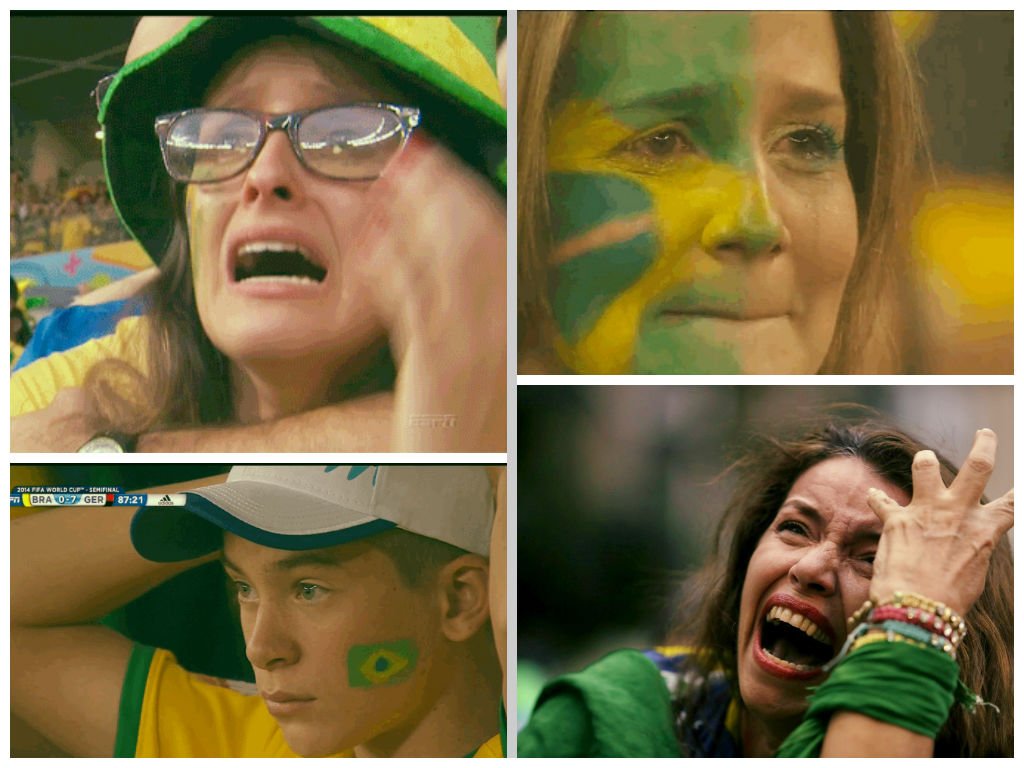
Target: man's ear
464, 604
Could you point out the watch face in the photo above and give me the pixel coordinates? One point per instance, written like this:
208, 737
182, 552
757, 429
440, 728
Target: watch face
102, 444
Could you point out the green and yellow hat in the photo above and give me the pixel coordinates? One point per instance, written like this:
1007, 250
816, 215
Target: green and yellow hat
447, 64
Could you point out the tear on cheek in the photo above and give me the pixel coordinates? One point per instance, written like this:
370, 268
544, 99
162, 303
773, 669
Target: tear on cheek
381, 664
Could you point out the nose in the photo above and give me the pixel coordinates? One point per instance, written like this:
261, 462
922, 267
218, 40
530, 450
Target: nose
275, 173
268, 644
814, 573
744, 223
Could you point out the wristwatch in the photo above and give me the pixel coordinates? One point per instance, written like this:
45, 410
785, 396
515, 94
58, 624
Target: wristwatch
110, 442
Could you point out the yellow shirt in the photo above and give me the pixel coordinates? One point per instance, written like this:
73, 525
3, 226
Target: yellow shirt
74, 231
167, 711
34, 386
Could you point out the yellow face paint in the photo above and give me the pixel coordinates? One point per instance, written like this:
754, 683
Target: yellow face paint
667, 257
695, 198
619, 92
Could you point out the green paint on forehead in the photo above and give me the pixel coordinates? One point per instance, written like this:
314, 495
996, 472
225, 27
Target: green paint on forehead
651, 68
621, 57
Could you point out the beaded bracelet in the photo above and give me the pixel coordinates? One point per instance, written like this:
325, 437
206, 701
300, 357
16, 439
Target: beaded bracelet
913, 600
919, 617
879, 636
913, 632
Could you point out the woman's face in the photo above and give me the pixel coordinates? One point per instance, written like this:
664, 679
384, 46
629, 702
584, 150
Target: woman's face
703, 218
811, 570
279, 205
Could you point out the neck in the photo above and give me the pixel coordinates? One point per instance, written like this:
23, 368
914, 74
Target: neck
762, 737
271, 389
461, 711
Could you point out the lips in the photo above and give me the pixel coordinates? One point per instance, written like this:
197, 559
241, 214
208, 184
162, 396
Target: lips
733, 303
737, 314
793, 639
284, 703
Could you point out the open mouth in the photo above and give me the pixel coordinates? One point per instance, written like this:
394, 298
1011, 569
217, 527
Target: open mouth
794, 641
277, 261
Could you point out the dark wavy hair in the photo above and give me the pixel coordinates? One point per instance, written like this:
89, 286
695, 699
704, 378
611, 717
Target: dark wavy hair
708, 608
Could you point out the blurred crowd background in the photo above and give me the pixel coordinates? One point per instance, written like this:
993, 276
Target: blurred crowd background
620, 488
65, 236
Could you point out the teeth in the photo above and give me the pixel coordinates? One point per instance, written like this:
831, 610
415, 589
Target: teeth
281, 278
808, 627
790, 664
271, 245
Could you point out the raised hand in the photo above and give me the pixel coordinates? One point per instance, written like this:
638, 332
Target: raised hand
939, 545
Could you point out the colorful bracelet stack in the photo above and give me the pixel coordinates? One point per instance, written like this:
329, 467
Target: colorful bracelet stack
909, 618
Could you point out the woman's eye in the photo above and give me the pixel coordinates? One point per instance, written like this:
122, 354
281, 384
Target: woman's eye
815, 146
658, 147
791, 526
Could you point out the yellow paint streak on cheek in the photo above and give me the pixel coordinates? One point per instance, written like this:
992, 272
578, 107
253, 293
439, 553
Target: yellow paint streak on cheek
686, 200
581, 136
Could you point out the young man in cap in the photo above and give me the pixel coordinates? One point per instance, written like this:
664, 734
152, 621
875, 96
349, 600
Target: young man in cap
363, 599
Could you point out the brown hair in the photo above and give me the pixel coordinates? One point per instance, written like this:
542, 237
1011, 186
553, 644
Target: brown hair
884, 137
707, 615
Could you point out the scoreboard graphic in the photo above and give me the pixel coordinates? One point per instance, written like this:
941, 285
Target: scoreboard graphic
81, 496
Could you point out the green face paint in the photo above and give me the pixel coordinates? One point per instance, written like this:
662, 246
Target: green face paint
623, 217
370, 666
601, 225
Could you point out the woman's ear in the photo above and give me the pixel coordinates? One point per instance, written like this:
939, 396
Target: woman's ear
464, 604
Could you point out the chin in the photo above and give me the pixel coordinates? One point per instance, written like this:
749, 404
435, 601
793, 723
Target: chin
264, 341
311, 740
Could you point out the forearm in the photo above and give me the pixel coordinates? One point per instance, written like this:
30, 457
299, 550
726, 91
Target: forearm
73, 565
351, 426
851, 734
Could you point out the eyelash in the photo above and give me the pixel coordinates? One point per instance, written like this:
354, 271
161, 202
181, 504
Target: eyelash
304, 591
816, 144
636, 150
791, 526
828, 145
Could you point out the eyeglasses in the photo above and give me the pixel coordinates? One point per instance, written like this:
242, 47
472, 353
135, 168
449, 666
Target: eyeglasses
353, 142
101, 89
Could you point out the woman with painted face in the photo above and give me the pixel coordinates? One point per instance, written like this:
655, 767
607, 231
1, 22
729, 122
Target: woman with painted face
320, 196
712, 192
859, 601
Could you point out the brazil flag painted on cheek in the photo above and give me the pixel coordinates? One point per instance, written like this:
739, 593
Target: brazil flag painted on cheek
370, 666
648, 146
